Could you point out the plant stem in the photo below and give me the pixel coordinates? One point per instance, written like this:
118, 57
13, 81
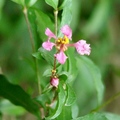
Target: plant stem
107, 102
56, 15
29, 30
33, 48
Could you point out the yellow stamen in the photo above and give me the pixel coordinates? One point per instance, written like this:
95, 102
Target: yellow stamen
58, 40
66, 40
63, 42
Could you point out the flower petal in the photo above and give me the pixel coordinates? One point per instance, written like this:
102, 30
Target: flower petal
54, 82
82, 47
49, 33
61, 57
48, 45
66, 30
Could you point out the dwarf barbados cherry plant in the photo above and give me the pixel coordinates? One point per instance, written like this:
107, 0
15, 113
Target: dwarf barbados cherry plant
69, 83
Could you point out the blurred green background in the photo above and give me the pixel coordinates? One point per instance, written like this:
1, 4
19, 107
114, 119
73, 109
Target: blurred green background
97, 21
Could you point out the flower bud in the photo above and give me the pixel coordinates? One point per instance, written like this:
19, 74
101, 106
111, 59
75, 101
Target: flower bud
54, 82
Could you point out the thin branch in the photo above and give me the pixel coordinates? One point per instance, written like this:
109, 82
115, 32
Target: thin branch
56, 15
33, 48
29, 30
107, 102
56, 26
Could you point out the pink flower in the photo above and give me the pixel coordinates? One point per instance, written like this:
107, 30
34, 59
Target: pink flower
62, 44
54, 82
48, 45
82, 47
61, 57
66, 30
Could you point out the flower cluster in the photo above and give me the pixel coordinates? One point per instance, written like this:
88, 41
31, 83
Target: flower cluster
62, 45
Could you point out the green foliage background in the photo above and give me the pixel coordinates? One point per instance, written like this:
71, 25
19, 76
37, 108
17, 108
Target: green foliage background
97, 21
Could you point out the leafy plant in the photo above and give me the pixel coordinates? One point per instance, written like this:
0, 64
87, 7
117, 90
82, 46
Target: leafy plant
69, 84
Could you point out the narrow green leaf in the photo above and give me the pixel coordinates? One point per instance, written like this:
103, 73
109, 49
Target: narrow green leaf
98, 18
20, 2
37, 55
47, 72
75, 110
60, 103
76, 13
88, 70
92, 116
43, 99
99, 116
43, 22
1, 6
47, 55
71, 67
30, 2
64, 3
63, 75
66, 114
71, 97
111, 116
17, 96
66, 14
53, 3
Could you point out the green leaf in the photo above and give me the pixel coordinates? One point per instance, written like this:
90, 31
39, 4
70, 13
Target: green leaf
76, 13
1, 6
66, 114
63, 75
64, 3
91, 74
53, 3
75, 110
71, 97
99, 116
47, 55
71, 66
92, 116
21, 2
43, 22
47, 72
30, 2
99, 18
111, 116
37, 55
60, 103
17, 96
66, 14
43, 99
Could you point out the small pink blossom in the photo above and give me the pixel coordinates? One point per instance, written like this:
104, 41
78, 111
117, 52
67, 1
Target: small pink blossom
66, 30
62, 44
54, 82
82, 47
61, 57
48, 45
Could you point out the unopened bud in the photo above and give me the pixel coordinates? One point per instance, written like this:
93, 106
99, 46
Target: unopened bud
54, 82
